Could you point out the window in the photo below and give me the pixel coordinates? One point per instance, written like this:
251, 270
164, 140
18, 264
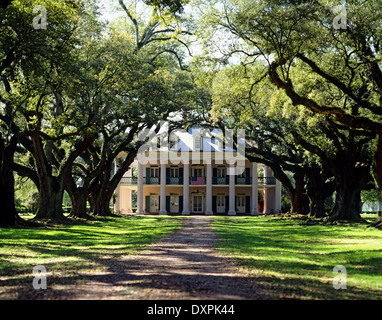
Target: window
198, 172
198, 142
221, 172
154, 172
174, 172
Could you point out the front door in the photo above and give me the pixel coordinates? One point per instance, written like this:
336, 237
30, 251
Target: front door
197, 203
154, 204
240, 204
174, 204
220, 204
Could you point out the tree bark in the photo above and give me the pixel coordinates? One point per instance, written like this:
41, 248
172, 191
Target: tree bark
318, 190
299, 203
102, 191
51, 188
300, 200
347, 205
50, 198
317, 204
349, 184
101, 195
79, 201
7, 184
377, 169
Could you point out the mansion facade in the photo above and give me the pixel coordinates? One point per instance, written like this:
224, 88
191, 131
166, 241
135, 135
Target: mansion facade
203, 182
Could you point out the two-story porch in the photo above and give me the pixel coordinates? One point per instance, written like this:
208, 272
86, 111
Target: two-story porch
197, 188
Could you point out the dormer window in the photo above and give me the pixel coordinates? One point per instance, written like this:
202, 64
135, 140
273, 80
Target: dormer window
198, 142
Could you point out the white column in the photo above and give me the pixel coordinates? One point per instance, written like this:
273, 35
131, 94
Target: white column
128, 200
278, 197
117, 206
269, 192
209, 189
232, 210
254, 198
186, 188
162, 208
140, 189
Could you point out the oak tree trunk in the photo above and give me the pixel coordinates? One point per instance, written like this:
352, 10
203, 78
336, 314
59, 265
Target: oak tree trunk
347, 201
79, 201
299, 199
7, 184
101, 202
378, 173
50, 199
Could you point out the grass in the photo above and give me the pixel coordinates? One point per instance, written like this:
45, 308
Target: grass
68, 251
295, 261
289, 260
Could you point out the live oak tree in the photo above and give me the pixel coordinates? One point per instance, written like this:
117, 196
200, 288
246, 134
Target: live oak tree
162, 91
72, 99
299, 39
64, 120
241, 102
23, 46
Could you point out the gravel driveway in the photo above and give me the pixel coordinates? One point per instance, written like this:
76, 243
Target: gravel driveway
182, 266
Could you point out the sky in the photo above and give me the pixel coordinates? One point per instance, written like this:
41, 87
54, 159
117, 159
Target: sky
108, 13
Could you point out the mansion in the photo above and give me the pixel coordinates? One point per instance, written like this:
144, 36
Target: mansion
192, 175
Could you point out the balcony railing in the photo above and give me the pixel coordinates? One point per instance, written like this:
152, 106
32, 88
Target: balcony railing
151, 180
243, 180
199, 181
129, 181
174, 180
220, 180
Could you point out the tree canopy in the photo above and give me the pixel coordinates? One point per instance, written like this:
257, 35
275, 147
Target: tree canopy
303, 78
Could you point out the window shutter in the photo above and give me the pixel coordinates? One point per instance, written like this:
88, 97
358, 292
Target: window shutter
147, 210
214, 204
147, 175
226, 204
168, 203
180, 204
247, 204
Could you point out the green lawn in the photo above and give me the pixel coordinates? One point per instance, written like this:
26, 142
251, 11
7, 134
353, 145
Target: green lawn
291, 260
67, 250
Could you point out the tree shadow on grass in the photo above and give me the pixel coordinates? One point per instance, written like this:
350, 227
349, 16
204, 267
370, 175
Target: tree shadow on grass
176, 271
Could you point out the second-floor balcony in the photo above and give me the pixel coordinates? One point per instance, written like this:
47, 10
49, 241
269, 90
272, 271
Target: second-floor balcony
262, 181
128, 181
174, 180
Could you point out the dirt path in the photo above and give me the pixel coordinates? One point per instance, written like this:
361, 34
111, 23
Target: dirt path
182, 266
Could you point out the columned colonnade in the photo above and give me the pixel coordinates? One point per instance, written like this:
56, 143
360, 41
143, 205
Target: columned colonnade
272, 195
